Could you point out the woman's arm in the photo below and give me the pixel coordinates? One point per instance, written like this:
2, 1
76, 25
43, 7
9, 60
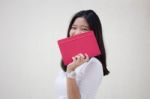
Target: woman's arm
72, 88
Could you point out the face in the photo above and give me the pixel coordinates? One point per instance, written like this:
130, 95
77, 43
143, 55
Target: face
80, 25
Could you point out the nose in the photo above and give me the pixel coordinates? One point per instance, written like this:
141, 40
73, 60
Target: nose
76, 32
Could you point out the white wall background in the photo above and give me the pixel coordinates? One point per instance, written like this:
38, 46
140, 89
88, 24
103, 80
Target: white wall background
29, 55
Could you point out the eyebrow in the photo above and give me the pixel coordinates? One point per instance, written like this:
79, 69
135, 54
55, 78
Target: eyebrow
82, 26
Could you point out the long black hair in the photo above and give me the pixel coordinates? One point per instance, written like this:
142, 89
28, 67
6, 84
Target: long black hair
95, 25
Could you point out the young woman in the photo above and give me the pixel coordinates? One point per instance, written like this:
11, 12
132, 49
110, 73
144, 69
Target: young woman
81, 78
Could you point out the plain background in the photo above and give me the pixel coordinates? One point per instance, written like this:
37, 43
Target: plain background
30, 58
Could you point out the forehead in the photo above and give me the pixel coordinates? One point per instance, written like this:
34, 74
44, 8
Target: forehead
80, 21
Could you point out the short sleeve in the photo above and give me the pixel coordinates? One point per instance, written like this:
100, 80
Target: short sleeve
89, 78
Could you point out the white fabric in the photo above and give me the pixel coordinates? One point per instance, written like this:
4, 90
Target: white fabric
88, 76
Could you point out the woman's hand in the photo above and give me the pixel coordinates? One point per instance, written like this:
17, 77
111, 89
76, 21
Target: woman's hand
77, 61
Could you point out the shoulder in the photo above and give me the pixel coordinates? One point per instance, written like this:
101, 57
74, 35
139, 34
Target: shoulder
89, 77
94, 61
93, 66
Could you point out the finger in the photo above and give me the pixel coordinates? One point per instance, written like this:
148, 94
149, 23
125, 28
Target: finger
82, 56
73, 58
86, 57
77, 57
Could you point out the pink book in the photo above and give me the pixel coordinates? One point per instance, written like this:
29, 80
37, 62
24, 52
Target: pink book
81, 43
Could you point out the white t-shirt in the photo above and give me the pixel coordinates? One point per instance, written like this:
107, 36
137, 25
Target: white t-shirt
88, 77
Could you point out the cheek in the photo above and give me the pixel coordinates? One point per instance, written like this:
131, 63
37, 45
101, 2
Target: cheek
71, 33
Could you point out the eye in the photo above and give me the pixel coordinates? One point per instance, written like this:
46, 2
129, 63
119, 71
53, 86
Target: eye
85, 29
